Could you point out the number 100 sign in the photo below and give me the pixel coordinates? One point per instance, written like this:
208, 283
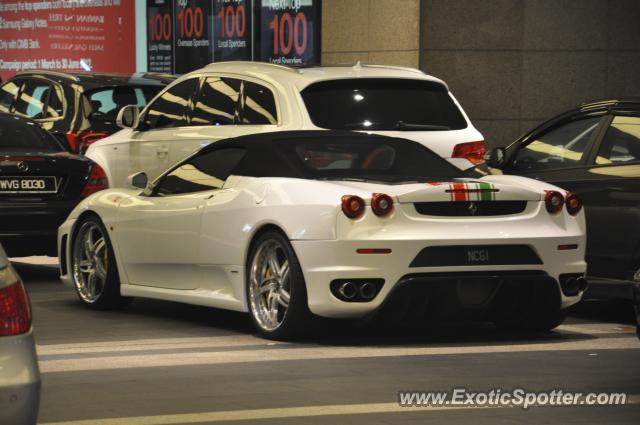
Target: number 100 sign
288, 32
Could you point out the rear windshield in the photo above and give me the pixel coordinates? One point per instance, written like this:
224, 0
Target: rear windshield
383, 105
106, 102
18, 135
391, 160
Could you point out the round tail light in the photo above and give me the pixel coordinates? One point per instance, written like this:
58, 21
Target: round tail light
353, 206
381, 204
573, 202
553, 201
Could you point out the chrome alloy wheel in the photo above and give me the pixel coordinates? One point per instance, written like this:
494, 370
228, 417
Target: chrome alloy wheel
90, 262
269, 285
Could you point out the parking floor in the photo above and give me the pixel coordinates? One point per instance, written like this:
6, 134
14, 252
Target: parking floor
166, 363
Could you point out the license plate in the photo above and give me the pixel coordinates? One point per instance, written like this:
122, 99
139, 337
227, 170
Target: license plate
28, 184
475, 255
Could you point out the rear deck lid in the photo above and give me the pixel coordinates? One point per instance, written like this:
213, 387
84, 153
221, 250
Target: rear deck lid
465, 191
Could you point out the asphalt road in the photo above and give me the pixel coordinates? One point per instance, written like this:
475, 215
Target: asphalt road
166, 363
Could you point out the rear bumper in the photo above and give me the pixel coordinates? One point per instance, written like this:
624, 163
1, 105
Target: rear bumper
325, 261
19, 380
30, 228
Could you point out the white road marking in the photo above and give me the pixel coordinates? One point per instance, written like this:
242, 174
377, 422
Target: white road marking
40, 260
598, 328
155, 344
323, 352
282, 413
239, 340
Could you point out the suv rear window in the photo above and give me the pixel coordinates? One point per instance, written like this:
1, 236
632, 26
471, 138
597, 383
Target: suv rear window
106, 102
382, 104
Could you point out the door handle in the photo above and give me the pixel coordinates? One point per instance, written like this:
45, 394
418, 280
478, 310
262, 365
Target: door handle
162, 151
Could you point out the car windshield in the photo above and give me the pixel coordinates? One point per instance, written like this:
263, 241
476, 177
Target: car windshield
17, 134
106, 102
383, 105
384, 160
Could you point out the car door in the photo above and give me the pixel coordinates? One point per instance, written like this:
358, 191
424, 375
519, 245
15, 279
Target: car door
164, 123
159, 236
564, 155
214, 115
614, 198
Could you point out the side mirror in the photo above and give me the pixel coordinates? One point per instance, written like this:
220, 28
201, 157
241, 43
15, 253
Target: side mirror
128, 117
496, 158
138, 180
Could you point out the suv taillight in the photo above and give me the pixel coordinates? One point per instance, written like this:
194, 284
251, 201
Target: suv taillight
80, 140
472, 151
15, 311
97, 181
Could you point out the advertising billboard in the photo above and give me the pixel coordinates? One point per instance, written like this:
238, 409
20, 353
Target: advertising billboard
184, 35
70, 35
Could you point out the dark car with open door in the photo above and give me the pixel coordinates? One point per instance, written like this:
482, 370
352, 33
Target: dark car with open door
593, 151
40, 183
78, 108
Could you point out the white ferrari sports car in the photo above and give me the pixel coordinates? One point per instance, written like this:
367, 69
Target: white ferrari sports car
289, 226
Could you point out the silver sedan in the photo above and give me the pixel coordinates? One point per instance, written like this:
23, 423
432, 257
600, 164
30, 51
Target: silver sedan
19, 373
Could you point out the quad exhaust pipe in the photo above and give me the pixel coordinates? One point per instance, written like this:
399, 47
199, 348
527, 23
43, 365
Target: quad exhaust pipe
367, 291
356, 290
348, 290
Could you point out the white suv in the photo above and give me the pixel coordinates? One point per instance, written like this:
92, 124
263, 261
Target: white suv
229, 99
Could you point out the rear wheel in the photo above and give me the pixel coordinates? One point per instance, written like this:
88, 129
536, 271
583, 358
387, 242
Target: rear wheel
93, 267
276, 291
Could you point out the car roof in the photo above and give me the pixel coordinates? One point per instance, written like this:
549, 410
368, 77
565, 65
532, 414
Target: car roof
627, 102
303, 77
93, 80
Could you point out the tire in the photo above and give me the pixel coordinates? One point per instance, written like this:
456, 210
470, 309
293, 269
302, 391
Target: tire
277, 301
93, 267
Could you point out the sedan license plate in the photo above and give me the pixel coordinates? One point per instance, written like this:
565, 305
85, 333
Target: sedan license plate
28, 184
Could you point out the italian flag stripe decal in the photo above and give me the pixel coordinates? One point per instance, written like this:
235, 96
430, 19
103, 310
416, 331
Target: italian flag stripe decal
486, 193
461, 192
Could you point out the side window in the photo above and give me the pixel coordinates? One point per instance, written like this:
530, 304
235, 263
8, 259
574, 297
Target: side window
563, 146
259, 106
32, 99
621, 143
206, 171
55, 107
170, 109
8, 93
217, 103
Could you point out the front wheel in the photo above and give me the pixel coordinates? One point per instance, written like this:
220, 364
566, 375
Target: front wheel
93, 266
276, 291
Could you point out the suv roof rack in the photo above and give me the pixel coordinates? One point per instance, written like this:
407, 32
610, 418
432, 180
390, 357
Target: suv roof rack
253, 63
359, 65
